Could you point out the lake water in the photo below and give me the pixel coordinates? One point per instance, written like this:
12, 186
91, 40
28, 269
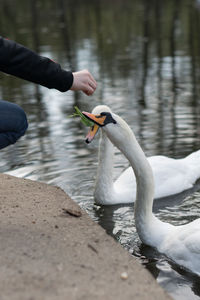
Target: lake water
145, 56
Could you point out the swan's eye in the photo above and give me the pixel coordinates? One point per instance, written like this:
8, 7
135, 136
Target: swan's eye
108, 119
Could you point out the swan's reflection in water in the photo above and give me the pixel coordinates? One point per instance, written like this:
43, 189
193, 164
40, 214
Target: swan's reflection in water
118, 221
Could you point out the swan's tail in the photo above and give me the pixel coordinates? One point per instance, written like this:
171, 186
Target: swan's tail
193, 161
194, 157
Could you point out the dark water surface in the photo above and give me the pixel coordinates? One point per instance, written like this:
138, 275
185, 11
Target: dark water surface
145, 56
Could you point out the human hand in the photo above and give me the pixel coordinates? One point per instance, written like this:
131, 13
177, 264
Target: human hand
84, 81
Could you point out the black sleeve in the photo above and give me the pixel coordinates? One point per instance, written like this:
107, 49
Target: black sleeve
22, 62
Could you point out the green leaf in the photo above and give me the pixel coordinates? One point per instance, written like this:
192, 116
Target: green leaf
84, 120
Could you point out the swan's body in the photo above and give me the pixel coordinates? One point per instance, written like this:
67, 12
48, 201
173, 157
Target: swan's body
171, 176
179, 243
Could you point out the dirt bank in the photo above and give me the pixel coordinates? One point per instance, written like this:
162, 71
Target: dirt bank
51, 249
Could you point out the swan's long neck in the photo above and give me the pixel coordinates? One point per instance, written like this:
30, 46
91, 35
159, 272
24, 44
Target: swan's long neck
145, 189
104, 180
150, 229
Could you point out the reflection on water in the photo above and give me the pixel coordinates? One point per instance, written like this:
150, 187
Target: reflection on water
145, 57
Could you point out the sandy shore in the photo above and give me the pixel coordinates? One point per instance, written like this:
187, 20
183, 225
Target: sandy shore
51, 249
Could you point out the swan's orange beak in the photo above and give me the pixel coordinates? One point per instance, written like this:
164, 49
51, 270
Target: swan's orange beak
98, 120
91, 134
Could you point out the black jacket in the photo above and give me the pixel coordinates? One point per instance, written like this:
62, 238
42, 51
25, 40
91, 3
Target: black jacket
22, 62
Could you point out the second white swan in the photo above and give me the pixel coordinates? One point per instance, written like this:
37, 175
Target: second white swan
171, 176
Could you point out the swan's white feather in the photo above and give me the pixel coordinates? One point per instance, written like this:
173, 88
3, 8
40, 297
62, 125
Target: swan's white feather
171, 176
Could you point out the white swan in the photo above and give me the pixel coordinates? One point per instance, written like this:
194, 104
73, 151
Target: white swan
179, 243
171, 176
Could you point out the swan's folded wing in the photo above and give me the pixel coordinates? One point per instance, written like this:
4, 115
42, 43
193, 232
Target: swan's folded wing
182, 245
191, 237
171, 176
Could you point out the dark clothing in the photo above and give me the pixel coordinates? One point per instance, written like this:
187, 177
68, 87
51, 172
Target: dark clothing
22, 62
13, 123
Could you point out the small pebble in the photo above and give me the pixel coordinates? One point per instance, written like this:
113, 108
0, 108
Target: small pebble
124, 276
72, 212
60, 267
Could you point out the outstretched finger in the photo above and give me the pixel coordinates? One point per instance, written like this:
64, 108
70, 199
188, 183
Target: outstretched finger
93, 84
89, 91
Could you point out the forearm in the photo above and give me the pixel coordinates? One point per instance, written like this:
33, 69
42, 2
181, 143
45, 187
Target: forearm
22, 62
